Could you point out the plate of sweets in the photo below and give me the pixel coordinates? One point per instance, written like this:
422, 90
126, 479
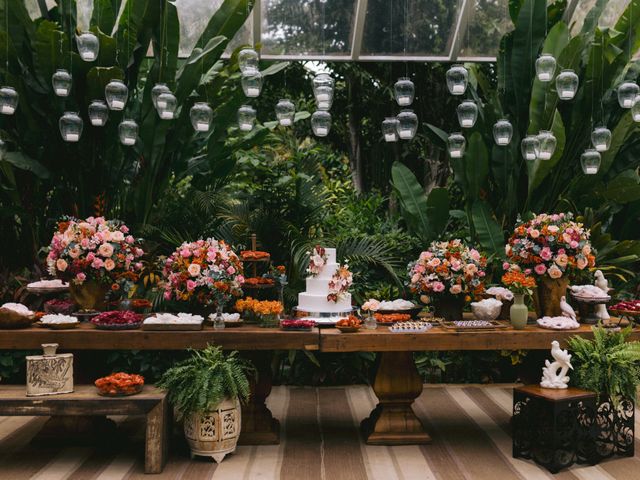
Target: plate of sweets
47, 286
626, 308
391, 318
297, 325
60, 305
117, 320
349, 325
254, 255
58, 321
119, 384
410, 327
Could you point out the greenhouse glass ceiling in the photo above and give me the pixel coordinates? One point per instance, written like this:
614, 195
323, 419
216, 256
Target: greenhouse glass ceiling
366, 30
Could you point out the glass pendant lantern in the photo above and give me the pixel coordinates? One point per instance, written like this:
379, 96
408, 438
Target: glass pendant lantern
116, 93
407, 124
246, 118
627, 93
321, 123
98, 113
167, 104
404, 91
529, 147
61, 81
547, 144
252, 83
635, 110
545, 67
128, 132
323, 85
285, 112
467, 114
88, 46
567, 84
456, 145
201, 115
248, 60
590, 162
390, 129
601, 139
457, 80
8, 100
70, 125
158, 89
502, 132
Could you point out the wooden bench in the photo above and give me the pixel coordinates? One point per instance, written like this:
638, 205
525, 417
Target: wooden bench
85, 401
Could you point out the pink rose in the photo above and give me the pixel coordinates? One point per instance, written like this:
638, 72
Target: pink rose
109, 264
540, 269
191, 285
105, 250
61, 264
574, 244
415, 278
194, 269
240, 279
91, 256
533, 233
473, 253
138, 266
527, 271
554, 271
456, 289
97, 263
437, 286
562, 260
167, 294
481, 274
231, 270
81, 277
581, 263
185, 253
506, 266
84, 243
434, 262
124, 229
470, 269
129, 239
546, 254
456, 265
553, 228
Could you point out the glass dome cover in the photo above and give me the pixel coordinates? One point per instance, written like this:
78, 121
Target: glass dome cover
70, 125
201, 115
246, 118
601, 139
627, 94
547, 145
88, 46
457, 79
404, 91
285, 112
456, 145
116, 94
567, 84
8, 100
407, 124
321, 123
529, 147
98, 113
590, 162
545, 67
128, 132
502, 132
252, 83
61, 81
390, 129
467, 113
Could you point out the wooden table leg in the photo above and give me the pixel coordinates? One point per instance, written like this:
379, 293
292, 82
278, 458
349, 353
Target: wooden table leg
157, 438
397, 385
258, 425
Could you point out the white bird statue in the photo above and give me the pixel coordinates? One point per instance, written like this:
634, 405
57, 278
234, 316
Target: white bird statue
567, 310
601, 282
551, 378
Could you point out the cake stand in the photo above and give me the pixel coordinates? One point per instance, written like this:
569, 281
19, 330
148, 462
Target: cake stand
588, 307
323, 319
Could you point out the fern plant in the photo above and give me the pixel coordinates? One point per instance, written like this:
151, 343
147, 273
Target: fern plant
202, 381
607, 364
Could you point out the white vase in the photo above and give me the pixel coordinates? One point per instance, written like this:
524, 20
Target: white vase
214, 433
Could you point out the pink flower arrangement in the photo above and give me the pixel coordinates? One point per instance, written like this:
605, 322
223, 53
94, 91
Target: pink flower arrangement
205, 272
549, 244
93, 249
448, 268
340, 283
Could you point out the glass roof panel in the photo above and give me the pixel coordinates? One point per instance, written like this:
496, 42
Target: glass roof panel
295, 27
414, 27
482, 28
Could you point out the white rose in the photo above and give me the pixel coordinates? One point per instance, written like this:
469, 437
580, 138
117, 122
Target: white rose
194, 269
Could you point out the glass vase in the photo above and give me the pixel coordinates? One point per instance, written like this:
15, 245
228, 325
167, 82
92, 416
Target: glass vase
218, 321
518, 313
271, 320
404, 92
370, 322
88, 46
457, 79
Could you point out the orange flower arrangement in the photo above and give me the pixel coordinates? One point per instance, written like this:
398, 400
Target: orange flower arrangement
259, 307
518, 282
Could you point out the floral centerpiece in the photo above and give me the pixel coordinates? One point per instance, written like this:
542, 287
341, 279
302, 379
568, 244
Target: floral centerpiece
520, 284
94, 255
552, 248
266, 311
340, 283
448, 274
317, 260
203, 274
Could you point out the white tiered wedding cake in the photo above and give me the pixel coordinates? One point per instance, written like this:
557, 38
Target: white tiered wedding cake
314, 302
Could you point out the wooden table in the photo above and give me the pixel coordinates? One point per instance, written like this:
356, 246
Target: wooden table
255, 343
397, 383
151, 403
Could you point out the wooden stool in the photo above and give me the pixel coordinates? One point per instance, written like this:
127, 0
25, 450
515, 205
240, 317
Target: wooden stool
554, 427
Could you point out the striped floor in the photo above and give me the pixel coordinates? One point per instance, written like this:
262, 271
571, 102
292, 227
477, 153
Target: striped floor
469, 426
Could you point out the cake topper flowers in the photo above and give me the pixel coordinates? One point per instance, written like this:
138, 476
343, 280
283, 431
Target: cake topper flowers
317, 260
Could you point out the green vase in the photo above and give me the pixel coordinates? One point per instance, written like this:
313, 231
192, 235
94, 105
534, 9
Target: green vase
519, 313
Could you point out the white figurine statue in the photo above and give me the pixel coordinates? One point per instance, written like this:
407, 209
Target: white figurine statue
566, 309
602, 284
562, 361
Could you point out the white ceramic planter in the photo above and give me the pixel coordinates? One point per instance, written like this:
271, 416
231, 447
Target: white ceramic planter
215, 433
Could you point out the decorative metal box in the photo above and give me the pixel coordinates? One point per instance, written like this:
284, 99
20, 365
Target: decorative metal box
49, 373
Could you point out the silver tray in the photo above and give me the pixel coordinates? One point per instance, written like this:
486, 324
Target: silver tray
323, 318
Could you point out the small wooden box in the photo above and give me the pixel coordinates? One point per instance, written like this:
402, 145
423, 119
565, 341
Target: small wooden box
49, 373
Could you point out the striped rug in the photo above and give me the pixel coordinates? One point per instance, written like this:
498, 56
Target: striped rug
320, 440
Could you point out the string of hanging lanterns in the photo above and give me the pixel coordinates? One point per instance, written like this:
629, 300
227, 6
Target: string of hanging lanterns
251, 82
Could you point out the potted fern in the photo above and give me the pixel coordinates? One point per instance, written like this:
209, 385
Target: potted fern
206, 390
610, 366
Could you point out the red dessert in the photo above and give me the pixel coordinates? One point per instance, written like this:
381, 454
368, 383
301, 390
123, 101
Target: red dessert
120, 384
117, 317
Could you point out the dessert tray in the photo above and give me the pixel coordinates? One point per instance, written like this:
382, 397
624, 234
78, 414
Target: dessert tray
171, 322
626, 309
297, 325
117, 320
119, 385
470, 325
349, 325
558, 323
47, 286
410, 327
58, 322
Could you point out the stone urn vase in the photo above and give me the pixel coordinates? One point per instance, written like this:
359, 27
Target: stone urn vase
90, 295
546, 297
214, 433
449, 307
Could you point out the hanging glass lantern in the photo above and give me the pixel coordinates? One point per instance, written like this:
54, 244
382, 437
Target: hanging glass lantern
567, 84
502, 132
252, 83
635, 110
285, 111
601, 139
467, 114
530, 146
456, 145
128, 132
116, 93
404, 91
248, 60
545, 67
156, 91
88, 46
61, 81
323, 85
627, 93
167, 104
407, 124
201, 115
457, 80
8, 100
246, 118
590, 162
70, 127
547, 144
321, 123
98, 113
390, 129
